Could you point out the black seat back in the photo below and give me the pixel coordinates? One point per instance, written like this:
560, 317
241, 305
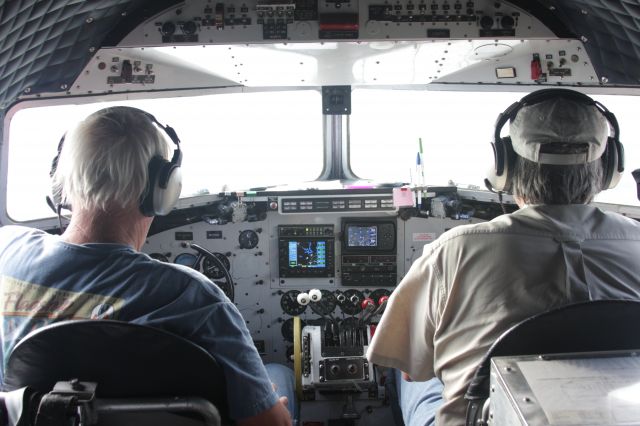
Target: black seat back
602, 325
124, 359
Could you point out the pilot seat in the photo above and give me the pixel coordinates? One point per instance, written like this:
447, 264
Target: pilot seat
596, 326
105, 372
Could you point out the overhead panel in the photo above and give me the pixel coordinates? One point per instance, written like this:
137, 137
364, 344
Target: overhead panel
253, 43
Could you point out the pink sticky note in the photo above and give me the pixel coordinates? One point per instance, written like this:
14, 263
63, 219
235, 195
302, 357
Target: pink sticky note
403, 197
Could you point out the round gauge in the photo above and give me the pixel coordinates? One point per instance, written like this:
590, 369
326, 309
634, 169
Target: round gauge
350, 303
226, 288
377, 294
159, 256
248, 239
186, 259
326, 304
211, 268
289, 303
287, 329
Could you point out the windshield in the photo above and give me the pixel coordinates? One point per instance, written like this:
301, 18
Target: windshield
456, 129
238, 141
230, 142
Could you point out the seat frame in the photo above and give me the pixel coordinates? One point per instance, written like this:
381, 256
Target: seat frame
106, 368
594, 326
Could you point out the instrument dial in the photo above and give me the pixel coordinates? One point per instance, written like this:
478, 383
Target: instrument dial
212, 270
377, 294
289, 303
326, 304
350, 301
248, 239
186, 259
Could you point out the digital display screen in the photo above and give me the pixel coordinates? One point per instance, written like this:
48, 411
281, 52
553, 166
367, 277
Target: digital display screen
362, 236
307, 254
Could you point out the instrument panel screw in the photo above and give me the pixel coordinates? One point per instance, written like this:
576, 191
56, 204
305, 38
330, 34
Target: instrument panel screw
63, 86
92, 49
27, 90
604, 80
89, 20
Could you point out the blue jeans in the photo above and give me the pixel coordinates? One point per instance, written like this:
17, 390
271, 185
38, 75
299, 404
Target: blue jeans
415, 403
282, 377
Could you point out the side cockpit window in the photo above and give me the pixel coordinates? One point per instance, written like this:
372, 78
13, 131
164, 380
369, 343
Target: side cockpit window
230, 142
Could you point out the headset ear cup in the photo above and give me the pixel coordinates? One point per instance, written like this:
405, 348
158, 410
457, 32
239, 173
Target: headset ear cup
500, 175
166, 194
611, 172
147, 203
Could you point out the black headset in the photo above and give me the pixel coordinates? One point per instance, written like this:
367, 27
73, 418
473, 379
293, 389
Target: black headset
500, 177
164, 182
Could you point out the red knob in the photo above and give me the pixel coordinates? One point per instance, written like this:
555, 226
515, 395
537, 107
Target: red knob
366, 302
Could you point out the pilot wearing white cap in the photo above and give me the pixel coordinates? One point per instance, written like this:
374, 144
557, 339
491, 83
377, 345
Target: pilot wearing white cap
559, 121
475, 281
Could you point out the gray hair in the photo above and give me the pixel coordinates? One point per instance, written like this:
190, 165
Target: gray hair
104, 160
537, 183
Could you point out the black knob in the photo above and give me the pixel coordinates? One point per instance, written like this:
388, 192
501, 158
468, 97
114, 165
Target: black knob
168, 28
507, 22
189, 28
486, 22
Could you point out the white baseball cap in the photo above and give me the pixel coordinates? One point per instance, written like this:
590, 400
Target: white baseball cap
559, 121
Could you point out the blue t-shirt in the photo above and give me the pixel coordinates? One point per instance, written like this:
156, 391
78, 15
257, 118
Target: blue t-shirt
44, 279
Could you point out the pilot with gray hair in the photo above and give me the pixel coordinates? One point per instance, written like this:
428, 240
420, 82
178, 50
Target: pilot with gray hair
476, 281
115, 172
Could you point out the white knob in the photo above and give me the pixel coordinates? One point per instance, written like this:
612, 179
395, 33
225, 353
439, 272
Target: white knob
303, 299
315, 295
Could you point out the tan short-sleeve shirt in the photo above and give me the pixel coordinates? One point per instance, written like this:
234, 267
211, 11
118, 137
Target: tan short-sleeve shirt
475, 281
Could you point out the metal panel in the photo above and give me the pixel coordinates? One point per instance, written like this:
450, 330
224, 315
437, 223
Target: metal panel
596, 388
